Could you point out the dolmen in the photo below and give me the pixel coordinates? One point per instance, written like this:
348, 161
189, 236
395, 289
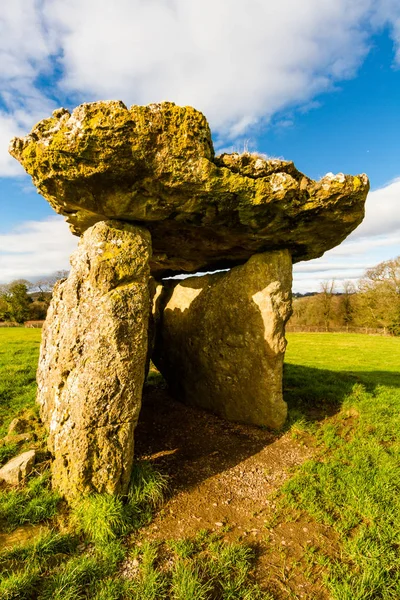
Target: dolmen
143, 189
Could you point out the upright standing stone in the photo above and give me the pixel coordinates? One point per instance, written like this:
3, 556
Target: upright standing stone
221, 339
93, 358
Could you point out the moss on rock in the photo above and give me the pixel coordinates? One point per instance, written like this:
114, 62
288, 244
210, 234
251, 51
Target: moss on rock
93, 360
155, 165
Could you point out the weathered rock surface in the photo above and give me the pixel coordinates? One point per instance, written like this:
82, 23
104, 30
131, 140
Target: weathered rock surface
155, 165
19, 425
221, 339
92, 362
18, 468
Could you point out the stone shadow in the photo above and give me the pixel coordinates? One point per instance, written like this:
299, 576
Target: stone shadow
192, 445
319, 393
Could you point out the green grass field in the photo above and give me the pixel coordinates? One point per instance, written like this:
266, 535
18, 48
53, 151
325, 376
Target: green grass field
353, 482
343, 393
19, 353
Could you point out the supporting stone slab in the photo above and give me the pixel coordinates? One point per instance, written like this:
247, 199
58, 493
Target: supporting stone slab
93, 358
221, 339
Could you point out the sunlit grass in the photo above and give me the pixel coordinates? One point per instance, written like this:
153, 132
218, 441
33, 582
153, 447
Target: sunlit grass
103, 517
20, 585
353, 482
19, 352
343, 391
71, 579
33, 503
47, 544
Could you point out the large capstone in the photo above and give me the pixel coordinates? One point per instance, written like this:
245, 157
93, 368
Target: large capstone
221, 340
155, 165
93, 358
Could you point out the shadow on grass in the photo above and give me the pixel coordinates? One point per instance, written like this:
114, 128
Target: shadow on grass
193, 445
319, 393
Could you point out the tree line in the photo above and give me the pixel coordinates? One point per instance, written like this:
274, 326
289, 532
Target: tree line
22, 300
373, 302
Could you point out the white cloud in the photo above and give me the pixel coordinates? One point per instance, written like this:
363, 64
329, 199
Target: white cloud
35, 248
382, 214
387, 12
8, 129
23, 111
25, 43
26, 47
239, 62
375, 240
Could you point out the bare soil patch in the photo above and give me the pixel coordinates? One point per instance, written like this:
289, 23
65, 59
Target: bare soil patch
224, 478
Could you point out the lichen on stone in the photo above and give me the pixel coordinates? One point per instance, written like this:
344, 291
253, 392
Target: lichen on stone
155, 165
93, 360
146, 178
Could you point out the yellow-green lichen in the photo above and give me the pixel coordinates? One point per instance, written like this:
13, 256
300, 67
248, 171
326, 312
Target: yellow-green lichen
155, 165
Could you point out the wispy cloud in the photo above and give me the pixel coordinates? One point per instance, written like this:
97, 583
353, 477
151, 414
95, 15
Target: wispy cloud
9, 127
239, 62
27, 48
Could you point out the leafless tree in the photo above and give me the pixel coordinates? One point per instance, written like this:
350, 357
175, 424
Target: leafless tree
325, 300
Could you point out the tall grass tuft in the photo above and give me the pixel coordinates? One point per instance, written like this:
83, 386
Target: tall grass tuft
151, 583
71, 579
183, 548
111, 589
20, 586
146, 492
101, 517
187, 583
147, 485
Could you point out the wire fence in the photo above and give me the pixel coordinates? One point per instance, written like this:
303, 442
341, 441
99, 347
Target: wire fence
35, 324
317, 329
289, 328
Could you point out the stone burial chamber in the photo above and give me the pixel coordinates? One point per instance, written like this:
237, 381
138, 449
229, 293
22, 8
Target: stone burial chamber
149, 199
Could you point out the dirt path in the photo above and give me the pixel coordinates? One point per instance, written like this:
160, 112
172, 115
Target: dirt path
222, 478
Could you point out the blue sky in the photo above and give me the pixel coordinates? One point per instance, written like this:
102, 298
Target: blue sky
316, 82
